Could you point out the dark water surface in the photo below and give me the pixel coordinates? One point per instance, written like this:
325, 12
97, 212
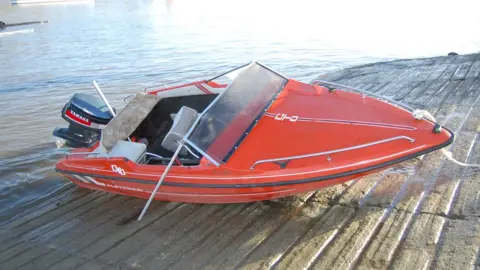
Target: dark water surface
127, 45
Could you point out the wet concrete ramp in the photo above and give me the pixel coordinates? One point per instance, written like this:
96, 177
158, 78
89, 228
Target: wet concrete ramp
424, 213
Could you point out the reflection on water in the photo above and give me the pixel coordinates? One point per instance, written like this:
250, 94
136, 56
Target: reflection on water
127, 45
12, 32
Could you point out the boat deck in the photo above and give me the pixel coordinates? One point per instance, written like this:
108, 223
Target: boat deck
425, 213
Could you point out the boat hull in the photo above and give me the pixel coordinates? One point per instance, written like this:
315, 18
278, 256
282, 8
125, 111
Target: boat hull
306, 138
231, 189
194, 194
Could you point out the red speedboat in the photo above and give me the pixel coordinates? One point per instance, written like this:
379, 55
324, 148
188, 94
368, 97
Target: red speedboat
257, 137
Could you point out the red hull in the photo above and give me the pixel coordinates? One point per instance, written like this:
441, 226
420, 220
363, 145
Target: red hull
210, 195
347, 135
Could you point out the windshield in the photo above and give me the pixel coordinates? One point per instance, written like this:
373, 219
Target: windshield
224, 123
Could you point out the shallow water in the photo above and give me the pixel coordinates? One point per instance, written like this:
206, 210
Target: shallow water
128, 45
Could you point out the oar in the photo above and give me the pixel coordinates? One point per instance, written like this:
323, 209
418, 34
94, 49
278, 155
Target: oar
170, 164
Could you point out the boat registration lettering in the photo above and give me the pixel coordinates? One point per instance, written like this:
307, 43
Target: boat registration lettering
283, 116
119, 170
124, 188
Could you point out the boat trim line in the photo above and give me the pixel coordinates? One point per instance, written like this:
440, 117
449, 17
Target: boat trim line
346, 122
86, 154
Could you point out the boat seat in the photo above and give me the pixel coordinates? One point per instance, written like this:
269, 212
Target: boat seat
133, 151
182, 122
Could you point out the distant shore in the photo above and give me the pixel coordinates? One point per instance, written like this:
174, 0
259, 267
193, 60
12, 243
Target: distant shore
26, 2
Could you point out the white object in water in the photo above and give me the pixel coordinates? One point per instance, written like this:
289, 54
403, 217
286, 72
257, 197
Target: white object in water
7, 33
59, 142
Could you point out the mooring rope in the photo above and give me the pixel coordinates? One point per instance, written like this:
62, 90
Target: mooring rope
421, 114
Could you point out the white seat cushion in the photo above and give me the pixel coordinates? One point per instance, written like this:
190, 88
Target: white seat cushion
131, 150
182, 122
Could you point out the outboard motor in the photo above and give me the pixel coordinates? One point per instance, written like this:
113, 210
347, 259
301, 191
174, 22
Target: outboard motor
87, 116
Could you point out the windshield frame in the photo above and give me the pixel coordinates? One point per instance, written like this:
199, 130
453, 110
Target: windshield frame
250, 127
228, 72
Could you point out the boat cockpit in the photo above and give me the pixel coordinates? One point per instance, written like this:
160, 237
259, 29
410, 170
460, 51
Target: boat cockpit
151, 126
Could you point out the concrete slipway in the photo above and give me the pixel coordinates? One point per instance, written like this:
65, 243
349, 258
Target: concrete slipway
425, 213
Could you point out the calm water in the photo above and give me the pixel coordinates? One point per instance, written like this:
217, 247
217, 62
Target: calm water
127, 45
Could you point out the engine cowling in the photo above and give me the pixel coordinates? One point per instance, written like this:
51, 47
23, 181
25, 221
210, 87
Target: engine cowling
87, 115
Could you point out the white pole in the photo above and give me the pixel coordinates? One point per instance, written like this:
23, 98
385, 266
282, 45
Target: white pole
106, 101
103, 97
170, 164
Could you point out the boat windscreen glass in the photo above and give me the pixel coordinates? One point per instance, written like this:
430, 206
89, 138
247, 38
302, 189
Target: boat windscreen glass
232, 113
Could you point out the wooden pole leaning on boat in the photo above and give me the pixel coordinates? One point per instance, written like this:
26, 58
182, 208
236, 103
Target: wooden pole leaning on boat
154, 192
